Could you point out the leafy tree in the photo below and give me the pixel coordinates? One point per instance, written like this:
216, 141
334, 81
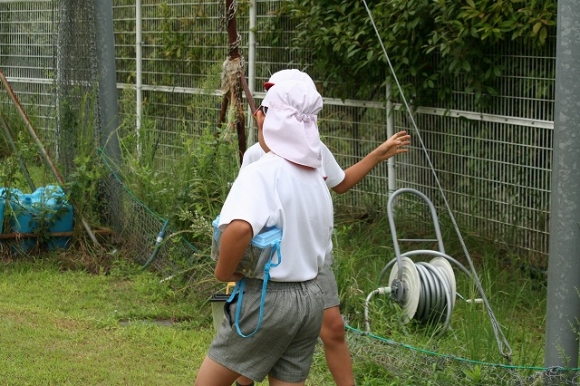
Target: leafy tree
427, 41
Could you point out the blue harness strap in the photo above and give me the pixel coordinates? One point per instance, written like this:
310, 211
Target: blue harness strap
239, 290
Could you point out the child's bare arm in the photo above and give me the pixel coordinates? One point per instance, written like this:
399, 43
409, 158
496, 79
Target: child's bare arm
235, 239
396, 144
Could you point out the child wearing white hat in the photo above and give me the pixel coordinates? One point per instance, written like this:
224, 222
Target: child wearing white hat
340, 181
275, 335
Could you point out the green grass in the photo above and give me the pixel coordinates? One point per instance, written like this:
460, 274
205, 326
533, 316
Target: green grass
78, 328
124, 328
64, 324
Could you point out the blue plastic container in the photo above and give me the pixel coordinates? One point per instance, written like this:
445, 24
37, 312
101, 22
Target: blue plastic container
257, 253
60, 214
46, 205
24, 207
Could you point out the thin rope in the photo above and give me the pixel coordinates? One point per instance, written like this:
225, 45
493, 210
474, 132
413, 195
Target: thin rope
392, 342
502, 342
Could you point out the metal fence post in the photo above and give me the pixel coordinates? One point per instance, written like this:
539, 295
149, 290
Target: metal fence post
107, 77
108, 105
563, 305
391, 171
252, 135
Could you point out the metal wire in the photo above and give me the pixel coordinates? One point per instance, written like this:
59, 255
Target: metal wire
502, 342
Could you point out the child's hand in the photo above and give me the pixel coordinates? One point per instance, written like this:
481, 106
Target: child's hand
396, 144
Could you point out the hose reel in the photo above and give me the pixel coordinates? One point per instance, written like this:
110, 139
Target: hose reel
428, 288
425, 291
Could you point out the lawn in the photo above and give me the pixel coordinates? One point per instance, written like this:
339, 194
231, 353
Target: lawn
76, 328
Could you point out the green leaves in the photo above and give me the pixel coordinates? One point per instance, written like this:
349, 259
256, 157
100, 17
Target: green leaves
426, 41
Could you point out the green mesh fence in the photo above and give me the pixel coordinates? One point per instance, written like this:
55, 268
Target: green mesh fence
137, 231
408, 365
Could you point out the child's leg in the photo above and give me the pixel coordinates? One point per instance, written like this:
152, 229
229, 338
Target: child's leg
332, 333
212, 373
243, 381
336, 348
276, 382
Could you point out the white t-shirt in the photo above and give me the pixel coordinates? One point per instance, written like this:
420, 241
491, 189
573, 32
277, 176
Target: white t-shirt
274, 192
330, 169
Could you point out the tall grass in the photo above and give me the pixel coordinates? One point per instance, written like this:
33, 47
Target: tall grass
188, 186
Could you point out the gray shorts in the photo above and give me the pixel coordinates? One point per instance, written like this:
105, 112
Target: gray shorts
284, 344
327, 282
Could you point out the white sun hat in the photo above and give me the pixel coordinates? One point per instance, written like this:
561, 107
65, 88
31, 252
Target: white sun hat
289, 74
290, 127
